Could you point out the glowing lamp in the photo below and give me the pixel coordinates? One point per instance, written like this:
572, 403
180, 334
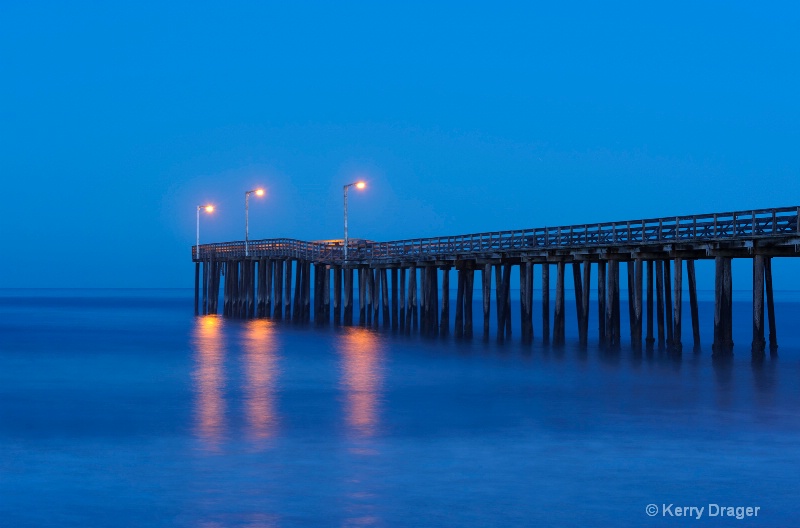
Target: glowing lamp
360, 185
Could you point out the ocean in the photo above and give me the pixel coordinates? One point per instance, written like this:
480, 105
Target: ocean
122, 408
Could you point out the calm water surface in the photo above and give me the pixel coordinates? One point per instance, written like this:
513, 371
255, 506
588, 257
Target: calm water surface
120, 408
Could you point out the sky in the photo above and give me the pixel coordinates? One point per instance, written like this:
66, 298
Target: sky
116, 120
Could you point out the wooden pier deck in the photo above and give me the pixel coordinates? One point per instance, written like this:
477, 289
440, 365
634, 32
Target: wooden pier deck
404, 284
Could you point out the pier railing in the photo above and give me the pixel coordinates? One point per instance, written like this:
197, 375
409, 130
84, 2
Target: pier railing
749, 225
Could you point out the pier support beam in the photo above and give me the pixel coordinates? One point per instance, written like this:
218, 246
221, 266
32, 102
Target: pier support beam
677, 305
546, 303
486, 283
649, 339
638, 266
413, 317
468, 291
278, 313
601, 301
395, 317
668, 302
579, 306
558, 321
402, 308
759, 343
612, 311
723, 308
362, 296
526, 301
337, 295
773, 335
287, 291
458, 329
387, 318
347, 306
660, 301
690, 276
444, 323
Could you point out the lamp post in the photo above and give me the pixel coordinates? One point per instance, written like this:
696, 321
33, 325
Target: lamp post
257, 192
209, 209
357, 185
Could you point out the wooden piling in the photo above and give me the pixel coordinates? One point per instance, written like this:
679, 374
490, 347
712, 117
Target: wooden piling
546, 303
690, 276
631, 301
486, 278
402, 308
278, 310
500, 302
558, 322
197, 288
587, 277
773, 334
377, 279
649, 339
326, 294
612, 307
759, 342
507, 295
269, 265
337, 295
306, 292
458, 329
299, 283
637, 304
677, 304
601, 301
387, 318
668, 302
578, 287
727, 285
395, 318
660, 301
347, 315
287, 291
362, 296
205, 287
468, 291
412, 321
444, 320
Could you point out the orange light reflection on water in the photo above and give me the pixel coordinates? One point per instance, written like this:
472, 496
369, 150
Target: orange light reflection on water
209, 380
261, 375
362, 379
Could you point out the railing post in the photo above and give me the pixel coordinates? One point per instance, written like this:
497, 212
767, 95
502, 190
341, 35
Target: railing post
715, 225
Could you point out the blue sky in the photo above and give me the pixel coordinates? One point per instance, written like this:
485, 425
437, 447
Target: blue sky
116, 121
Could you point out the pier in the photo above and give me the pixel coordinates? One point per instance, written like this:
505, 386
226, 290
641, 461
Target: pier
404, 285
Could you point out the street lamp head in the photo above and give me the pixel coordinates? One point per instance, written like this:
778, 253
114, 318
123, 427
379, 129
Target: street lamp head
360, 185
209, 208
259, 192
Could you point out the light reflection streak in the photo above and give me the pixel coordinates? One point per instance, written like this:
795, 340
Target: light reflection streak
362, 377
261, 374
209, 380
